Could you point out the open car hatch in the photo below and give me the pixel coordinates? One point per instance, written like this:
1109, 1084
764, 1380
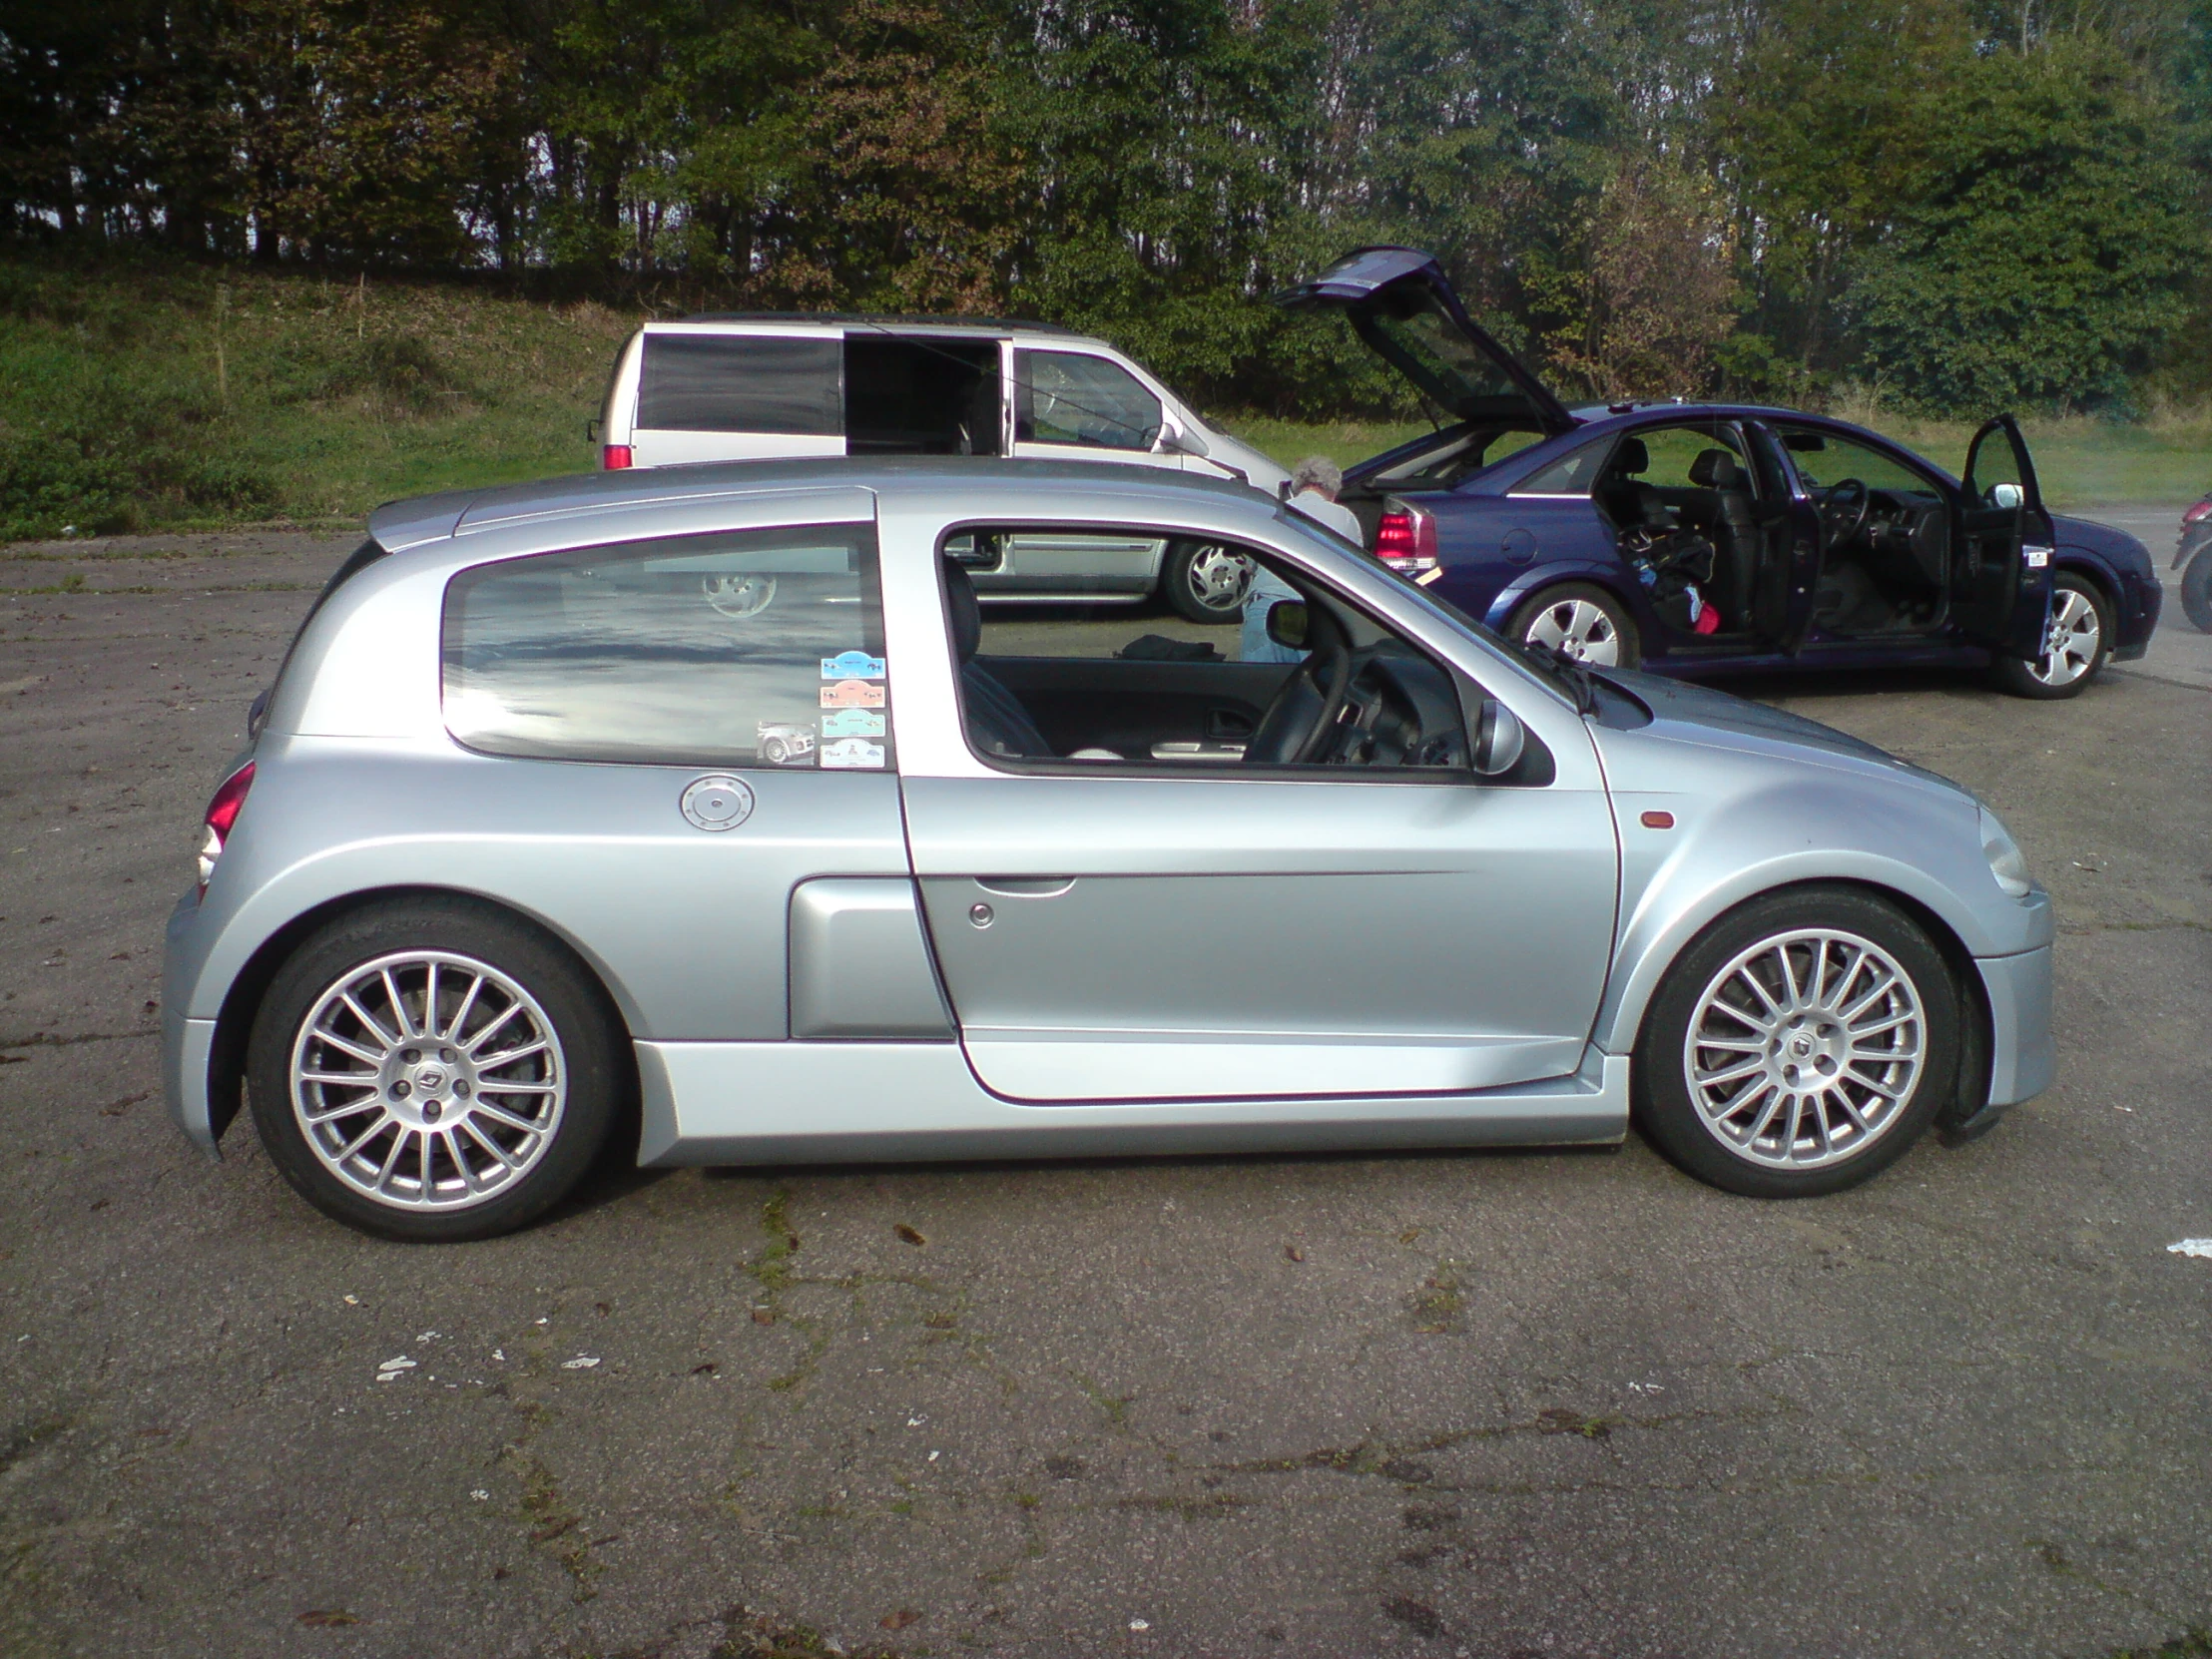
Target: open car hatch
1398, 302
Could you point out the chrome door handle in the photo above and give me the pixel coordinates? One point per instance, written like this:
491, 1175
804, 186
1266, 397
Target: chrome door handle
1026, 886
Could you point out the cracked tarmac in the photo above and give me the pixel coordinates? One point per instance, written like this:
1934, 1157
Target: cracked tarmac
1533, 1403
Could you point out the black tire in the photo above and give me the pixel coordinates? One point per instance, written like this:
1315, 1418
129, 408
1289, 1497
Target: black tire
1662, 1089
1192, 578
588, 1058
2196, 590
2017, 676
1630, 640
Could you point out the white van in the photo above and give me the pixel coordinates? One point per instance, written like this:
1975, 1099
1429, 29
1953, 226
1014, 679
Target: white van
772, 385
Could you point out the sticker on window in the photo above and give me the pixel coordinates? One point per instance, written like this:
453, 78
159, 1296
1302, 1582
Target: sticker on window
783, 743
852, 723
851, 754
852, 665
852, 694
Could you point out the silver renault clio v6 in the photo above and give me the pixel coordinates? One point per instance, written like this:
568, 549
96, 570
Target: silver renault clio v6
707, 791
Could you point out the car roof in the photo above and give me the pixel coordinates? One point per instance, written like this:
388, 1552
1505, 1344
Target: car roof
410, 523
889, 319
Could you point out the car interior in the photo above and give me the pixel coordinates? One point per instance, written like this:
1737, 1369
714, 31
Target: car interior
914, 397
1065, 685
1885, 537
1676, 492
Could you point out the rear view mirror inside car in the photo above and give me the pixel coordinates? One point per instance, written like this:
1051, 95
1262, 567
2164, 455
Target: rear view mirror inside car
1805, 444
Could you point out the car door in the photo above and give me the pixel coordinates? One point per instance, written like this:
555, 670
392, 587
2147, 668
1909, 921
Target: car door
1790, 559
2001, 592
716, 393
1155, 929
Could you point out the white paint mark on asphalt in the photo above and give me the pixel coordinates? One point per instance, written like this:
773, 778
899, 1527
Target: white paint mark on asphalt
582, 1361
2192, 1247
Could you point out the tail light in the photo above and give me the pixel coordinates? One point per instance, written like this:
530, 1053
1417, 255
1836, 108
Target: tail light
1405, 538
223, 811
615, 457
2199, 513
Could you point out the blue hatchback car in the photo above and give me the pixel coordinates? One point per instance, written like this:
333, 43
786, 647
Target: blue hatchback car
1698, 538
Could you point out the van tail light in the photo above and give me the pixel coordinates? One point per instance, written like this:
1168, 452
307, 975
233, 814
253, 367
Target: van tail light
223, 811
1405, 538
615, 457
2199, 513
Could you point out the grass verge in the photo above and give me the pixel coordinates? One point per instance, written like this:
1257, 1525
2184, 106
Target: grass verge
141, 394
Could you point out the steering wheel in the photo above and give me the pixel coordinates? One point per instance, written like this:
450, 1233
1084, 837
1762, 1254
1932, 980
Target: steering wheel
1299, 719
1844, 510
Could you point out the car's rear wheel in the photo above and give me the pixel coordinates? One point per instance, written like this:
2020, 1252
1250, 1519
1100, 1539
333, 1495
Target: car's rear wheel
1582, 620
1800, 1045
433, 1070
774, 751
2075, 644
1207, 582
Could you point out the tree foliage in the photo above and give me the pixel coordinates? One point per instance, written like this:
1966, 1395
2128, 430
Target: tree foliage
1965, 201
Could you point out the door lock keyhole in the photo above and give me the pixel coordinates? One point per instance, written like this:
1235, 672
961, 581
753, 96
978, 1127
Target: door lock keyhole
980, 915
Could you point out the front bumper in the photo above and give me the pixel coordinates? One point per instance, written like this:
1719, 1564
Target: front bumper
2023, 1056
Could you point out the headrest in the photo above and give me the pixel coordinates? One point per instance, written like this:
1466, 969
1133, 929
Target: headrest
1716, 469
1631, 456
960, 605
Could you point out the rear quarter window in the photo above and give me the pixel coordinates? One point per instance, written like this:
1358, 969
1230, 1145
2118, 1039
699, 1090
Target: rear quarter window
753, 648
775, 384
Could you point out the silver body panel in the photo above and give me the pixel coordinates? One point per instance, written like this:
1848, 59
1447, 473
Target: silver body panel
1172, 963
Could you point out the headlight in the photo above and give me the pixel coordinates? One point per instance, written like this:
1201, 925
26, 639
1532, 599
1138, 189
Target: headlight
2006, 863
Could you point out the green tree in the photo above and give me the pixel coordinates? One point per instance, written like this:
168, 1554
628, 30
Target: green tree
2039, 250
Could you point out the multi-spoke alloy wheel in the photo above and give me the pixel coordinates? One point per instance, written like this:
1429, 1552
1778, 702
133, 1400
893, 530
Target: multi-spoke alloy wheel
1799, 1044
2072, 642
433, 1070
2076, 640
1804, 1047
1582, 620
1207, 582
429, 1079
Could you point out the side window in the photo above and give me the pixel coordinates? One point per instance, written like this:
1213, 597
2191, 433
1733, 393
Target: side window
777, 384
749, 648
1073, 689
1067, 397
1571, 474
1824, 460
1670, 457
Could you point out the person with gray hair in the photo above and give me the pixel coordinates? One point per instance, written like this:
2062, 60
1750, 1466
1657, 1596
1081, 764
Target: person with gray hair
1311, 490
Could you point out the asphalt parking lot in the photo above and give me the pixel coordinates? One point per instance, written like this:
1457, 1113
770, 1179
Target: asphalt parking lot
1544, 1404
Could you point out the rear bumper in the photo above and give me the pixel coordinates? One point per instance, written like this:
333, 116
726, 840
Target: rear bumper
188, 1045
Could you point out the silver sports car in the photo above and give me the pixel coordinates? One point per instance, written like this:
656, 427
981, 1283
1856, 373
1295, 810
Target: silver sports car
509, 863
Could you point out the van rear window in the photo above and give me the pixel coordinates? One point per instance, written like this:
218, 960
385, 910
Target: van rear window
743, 383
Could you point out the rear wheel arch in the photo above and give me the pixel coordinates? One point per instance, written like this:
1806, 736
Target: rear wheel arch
243, 1001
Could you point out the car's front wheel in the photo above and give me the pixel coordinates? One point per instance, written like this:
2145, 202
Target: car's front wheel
1581, 620
1207, 582
1800, 1045
433, 1070
2075, 644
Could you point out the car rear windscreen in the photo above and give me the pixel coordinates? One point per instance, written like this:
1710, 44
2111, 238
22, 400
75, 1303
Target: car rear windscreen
743, 383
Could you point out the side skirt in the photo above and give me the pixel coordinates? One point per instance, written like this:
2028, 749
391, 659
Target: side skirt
830, 1102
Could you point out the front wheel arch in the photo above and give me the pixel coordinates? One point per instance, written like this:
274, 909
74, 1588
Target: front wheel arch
243, 1001
1978, 1029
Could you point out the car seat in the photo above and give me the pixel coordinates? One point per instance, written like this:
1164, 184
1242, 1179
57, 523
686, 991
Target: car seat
1735, 533
996, 721
1629, 501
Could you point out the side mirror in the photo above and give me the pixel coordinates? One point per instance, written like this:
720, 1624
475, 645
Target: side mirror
1499, 740
2007, 495
1286, 622
1175, 441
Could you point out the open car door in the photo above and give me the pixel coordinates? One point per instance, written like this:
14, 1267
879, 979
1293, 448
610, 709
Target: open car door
2001, 585
1398, 302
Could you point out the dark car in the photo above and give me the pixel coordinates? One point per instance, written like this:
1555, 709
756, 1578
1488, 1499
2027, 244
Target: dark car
1697, 538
